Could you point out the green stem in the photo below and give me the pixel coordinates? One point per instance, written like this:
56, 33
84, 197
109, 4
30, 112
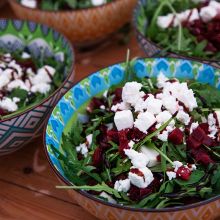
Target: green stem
211, 151
208, 109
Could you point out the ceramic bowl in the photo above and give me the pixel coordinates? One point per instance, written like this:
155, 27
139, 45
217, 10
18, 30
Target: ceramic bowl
72, 105
22, 128
84, 26
150, 48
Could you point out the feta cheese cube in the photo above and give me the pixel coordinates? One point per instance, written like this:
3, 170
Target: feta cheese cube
25, 55
82, 148
120, 106
144, 121
141, 181
9, 104
17, 84
89, 139
183, 117
4, 80
176, 165
108, 197
131, 144
163, 136
193, 126
151, 154
170, 103
29, 3
138, 160
161, 80
153, 105
163, 117
122, 185
41, 88
171, 175
123, 119
208, 13
98, 2
165, 21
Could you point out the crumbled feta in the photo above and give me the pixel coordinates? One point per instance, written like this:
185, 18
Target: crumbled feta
17, 84
208, 13
102, 107
194, 15
131, 92
170, 103
140, 105
171, 175
163, 117
177, 165
183, 117
89, 139
181, 17
123, 119
165, 21
144, 121
82, 148
122, 185
4, 80
109, 126
163, 136
131, 144
193, 126
9, 105
17, 68
108, 197
153, 105
29, 3
25, 55
138, 160
120, 106
151, 154
98, 2
141, 181
41, 88
30, 72
161, 80
193, 167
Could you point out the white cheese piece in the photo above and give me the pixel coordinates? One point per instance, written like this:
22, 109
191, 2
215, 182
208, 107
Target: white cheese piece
131, 144
102, 107
161, 80
29, 3
9, 104
214, 4
123, 119
193, 126
181, 17
163, 117
42, 88
25, 55
98, 2
208, 13
17, 84
138, 160
82, 148
170, 103
171, 175
4, 80
193, 167
141, 181
120, 106
176, 165
30, 72
131, 92
17, 67
108, 197
163, 136
89, 139
122, 185
165, 21
183, 117
194, 15
153, 105
151, 154
144, 121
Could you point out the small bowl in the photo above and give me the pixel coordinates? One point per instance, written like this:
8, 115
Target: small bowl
152, 49
85, 26
73, 104
18, 129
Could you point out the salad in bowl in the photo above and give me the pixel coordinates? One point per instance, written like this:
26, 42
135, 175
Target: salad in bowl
148, 143
187, 28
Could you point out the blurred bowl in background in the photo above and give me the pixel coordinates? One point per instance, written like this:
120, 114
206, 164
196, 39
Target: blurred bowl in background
84, 26
20, 128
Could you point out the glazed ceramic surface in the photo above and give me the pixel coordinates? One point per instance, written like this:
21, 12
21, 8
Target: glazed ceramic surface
41, 41
69, 109
150, 48
82, 26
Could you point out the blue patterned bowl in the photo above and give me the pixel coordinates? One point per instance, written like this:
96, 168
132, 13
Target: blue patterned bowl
42, 41
72, 106
150, 48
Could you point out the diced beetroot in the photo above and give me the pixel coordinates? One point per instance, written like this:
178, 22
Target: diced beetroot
136, 134
198, 134
192, 143
204, 127
159, 158
117, 98
123, 142
2, 112
146, 191
184, 173
202, 156
112, 135
97, 157
137, 172
137, 194
176, 136
208, 141
94, 104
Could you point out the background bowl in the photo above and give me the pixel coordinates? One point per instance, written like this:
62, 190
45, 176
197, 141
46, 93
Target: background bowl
22, 128
82, 26
150, 48
69, 108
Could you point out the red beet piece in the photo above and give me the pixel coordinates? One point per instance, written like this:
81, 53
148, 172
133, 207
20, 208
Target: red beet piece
94, 104
137, 172
192, 143
176, 136
117, 98
112, 135
184, 173
204, 127
208, 141
97, 157
123, 142
198, 134
201, 156
137, 194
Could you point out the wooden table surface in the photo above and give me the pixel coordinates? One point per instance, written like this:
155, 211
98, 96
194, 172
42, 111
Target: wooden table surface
27, 182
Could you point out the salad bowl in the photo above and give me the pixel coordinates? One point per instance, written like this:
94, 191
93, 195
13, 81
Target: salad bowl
23, 125
83, 26
71, 107
142, 24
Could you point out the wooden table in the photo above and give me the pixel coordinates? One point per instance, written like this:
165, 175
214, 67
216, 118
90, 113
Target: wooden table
27, 182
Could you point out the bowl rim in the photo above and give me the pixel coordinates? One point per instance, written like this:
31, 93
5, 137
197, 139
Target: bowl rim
70, 73
90, 196
62, 11
169, 54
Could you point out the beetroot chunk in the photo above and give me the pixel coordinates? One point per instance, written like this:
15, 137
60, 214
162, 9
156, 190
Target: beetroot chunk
192, 143
201, 156
176, 136
208, 141
123, 142
97, 157
184, 173
198, 134
204, 127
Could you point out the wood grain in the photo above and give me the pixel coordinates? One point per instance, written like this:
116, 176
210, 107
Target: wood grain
27, 182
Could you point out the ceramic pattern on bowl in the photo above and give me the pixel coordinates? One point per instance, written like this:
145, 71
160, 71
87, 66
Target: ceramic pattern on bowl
41, 41
101, 81
82, 26
150, 48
